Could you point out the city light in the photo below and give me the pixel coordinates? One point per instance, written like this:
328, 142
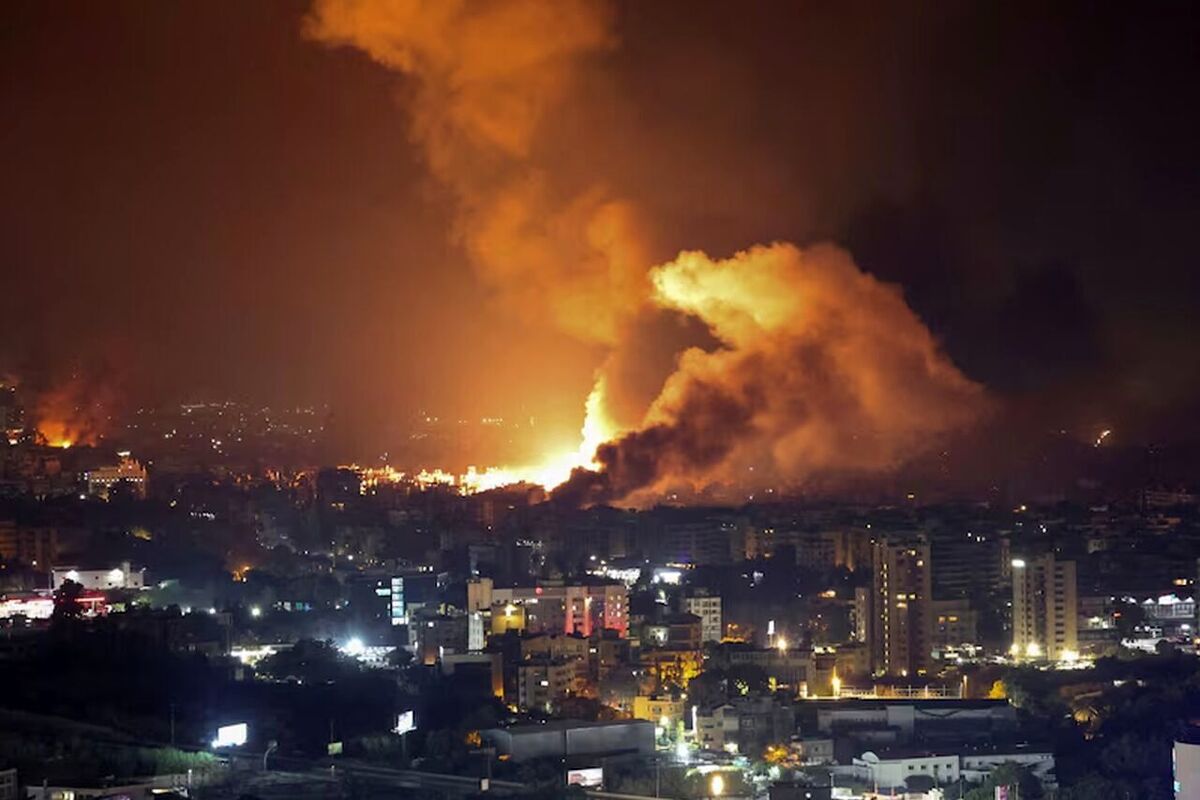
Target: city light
716, 785
255, 612
1018, 563
354, 647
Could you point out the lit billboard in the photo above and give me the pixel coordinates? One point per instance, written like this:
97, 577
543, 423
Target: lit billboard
590, 778
404, 723
231, 735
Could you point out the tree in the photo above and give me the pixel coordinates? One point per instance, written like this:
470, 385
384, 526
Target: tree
400, 658
919, 784
1128, 616
1014, 775
307, 661
67, 605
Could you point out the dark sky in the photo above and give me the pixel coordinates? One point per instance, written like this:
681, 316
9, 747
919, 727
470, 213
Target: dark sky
211, 204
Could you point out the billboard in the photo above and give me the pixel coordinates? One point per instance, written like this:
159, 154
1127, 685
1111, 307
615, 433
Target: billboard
589, 778
231, 735
404, 723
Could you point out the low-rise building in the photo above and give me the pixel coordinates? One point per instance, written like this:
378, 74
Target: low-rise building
659, 708
890, 769
563, 738
122, 576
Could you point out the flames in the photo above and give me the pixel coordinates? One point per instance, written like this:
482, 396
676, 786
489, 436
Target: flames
794, 364
70, 413
554, 471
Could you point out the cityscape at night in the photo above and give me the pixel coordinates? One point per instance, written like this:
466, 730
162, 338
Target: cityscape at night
564, 399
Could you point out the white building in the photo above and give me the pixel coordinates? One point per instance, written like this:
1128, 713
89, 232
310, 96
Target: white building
129, 471
886, 772
708, 609
119, 577
1185, 764
891, 769
716, 729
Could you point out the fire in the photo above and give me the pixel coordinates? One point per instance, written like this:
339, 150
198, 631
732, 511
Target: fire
549, 473
57, 433
555, 470
809, 368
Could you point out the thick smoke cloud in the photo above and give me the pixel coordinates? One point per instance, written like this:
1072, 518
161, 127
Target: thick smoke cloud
821, 370
487, 75
805, 366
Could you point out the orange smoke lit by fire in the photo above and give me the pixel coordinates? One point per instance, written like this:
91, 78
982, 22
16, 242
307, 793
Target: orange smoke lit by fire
811, 367
554, 471
69, 414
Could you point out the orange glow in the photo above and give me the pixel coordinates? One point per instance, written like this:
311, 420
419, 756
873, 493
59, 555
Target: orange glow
57, 433
549, 473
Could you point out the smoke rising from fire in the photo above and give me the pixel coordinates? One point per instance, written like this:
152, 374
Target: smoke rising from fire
74, 410
486, 75
821, 369
806, 366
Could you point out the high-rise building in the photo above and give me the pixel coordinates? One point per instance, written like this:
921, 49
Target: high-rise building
708, 608
1045, 609
31, 546
901, 635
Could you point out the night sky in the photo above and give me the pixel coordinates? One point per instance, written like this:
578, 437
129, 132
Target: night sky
202, 202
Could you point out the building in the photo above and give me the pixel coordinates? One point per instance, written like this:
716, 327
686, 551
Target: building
128, 471
119, 577
955, 623
438, 634
543, 682
554, 645
901, 625
1045, 608
659, 708
562, 738
32, 546
715, 728
8, 784
581, 609
1185, 764
708, 608
1176, 615
681, 630
885, 770
890, 770
950, 721
969, 563
744, 724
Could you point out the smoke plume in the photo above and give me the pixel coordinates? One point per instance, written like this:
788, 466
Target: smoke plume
821, 370
805, 366
486, 75
75, 410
